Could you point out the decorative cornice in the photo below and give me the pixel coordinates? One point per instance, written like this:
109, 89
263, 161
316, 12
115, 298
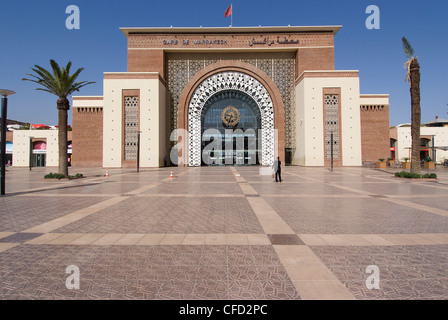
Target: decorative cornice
88, 98
230, 30
327, 74
133, 75
367, 96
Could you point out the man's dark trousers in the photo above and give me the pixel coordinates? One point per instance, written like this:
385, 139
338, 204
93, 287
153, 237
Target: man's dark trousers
278, 174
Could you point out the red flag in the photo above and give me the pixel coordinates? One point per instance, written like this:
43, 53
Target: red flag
228, 12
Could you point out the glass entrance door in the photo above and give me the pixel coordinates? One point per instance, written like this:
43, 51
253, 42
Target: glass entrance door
39, 159
230, 123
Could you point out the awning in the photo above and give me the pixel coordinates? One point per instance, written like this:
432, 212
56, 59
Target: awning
40, 126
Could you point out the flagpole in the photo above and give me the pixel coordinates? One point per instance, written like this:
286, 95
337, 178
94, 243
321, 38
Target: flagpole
231, 15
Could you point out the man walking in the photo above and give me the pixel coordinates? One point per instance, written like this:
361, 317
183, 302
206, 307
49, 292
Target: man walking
277, 169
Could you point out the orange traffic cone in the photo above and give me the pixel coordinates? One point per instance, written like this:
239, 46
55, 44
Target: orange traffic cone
107, 173
171, 174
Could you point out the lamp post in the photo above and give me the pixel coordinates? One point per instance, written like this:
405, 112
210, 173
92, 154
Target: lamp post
4, 93
433, 150
31, 152
138, 151
331, 153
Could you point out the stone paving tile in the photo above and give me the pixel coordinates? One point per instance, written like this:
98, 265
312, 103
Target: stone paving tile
20, 237
443, 205
294, 188
106, 187
144, 272
406, 272
176, 215
20, 213
355, 216
399, 188
284, 239
198, 188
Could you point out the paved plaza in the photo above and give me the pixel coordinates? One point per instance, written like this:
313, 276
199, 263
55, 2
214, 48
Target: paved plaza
218, 233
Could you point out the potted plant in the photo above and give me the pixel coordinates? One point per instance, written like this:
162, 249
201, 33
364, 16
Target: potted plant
381, 164
389, 161
406, 164
428, 164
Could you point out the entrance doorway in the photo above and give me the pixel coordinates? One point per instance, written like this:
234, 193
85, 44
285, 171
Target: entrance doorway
39, 154
38, 160
230, 123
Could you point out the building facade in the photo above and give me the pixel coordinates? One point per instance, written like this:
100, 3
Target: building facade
226, 96
37, 148
433, 141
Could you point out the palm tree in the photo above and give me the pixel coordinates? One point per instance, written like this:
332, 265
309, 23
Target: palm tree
61, 84
413, 76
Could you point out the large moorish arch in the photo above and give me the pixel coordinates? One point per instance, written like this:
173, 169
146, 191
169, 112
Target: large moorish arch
239, 76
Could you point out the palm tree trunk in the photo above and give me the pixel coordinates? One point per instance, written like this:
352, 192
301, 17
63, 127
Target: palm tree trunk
415, 115
63, 106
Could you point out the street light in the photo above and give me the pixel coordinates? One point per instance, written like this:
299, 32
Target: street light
31, 152
331, 141
138, 151
4, 93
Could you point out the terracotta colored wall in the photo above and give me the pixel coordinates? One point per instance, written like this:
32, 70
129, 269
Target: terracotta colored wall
375, 135
87, 137
314, 59
150, 60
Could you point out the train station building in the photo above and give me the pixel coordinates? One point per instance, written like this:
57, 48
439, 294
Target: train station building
230, 96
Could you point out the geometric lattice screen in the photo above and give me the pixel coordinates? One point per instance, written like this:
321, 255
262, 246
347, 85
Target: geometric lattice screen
130, 127
331, 113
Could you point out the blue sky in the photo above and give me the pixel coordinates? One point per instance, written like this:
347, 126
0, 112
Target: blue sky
33, 32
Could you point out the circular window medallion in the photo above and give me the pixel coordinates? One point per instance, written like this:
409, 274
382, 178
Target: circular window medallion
230, 116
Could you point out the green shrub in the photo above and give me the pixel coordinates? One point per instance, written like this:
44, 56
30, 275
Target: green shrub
52, 175
60, 176
410, 175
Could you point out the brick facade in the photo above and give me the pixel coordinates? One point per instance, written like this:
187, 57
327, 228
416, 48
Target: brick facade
87, 142
314, 59
146, 61
313, 50
375, 140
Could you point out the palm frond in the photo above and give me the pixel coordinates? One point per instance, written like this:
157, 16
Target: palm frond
58, 82
408, 50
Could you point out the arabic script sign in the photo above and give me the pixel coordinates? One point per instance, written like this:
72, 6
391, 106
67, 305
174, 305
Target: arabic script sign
270, 42
267, 41
187, 42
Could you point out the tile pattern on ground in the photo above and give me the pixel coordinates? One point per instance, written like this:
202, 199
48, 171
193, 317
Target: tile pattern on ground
224, 233
20, 213
355, 216
405, 272
145, 272
178, 215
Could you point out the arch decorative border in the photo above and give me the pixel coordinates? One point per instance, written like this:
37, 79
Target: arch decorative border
230, 80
